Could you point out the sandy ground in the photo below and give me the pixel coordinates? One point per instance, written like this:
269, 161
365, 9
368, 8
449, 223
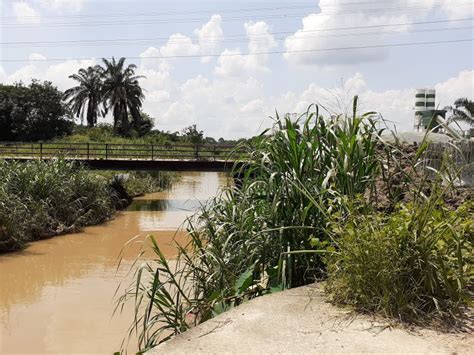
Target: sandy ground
300, 321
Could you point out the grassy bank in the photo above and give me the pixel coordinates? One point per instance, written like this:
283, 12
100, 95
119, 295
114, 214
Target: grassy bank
320, 199
139, 183
43, 199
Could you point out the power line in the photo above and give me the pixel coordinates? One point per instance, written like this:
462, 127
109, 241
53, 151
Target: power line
273, 33
192, 20
152, 22
234, 10
168, 13
141, 41
253, 53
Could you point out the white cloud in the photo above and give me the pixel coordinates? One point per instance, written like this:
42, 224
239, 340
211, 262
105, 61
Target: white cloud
157, 79
63, 5
454, 88
3, 75
458, 10
210, 36
317, 31
56, 73
215, 106
36, 57
24, 13
394, 105
24, 74
397, 105
59, 73
178, 45
233, 63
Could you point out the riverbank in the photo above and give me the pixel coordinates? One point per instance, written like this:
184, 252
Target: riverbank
60, 292
301, 321
42, 199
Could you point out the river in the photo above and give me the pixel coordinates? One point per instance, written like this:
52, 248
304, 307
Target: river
57, 295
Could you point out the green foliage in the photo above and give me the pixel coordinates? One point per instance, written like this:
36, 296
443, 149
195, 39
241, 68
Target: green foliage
41, 199
413, 264
143, 126
143, 182
122, 93
462, 111
105, 133
115, 87
292, 216
31, 113
138, 183
86, 97
192, 135
260, 236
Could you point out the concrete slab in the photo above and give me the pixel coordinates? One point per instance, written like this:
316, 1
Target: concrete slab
300, 321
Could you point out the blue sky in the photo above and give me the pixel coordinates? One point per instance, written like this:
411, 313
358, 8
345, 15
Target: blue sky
232, 93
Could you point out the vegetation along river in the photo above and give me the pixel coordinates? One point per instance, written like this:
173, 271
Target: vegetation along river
57, 295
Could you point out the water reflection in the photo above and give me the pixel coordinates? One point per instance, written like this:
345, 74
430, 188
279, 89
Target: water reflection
165, 205
59, 291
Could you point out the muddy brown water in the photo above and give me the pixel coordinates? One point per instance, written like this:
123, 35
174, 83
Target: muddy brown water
57, 296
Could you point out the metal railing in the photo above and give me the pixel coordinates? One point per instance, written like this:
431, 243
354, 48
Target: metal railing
114, 151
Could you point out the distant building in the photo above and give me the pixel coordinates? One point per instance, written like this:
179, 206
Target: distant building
426, 116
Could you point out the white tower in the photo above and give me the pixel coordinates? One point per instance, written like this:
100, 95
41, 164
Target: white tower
424, 103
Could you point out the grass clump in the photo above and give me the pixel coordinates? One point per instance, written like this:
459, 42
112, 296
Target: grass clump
414, 264
139, 183
42, 199
144, 182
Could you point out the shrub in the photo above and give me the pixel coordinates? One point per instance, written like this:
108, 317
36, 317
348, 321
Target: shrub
41, 199
413, 264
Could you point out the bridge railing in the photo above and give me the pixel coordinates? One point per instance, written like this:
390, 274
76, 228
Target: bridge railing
114, 151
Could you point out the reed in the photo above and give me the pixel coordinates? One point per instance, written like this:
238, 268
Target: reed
277, 228
40, 199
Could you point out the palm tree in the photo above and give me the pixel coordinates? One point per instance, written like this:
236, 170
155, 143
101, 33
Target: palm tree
463, 111
122, 93
87, 96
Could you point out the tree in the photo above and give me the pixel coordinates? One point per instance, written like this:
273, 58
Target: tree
192, 135
143, 126
32, 113
122, 93
463, 111
87, 96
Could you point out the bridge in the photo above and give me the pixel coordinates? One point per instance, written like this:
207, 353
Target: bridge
144, 157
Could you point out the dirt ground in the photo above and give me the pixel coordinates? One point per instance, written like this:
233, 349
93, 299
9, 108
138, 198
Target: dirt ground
301, 321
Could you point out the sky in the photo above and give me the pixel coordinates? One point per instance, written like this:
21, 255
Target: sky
229, 66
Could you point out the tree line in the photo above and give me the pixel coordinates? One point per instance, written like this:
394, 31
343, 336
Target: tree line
39, 111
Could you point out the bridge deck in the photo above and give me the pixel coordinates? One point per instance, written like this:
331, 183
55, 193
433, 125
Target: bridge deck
103, 156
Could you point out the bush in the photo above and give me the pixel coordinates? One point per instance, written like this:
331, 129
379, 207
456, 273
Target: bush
413, 265
42, 199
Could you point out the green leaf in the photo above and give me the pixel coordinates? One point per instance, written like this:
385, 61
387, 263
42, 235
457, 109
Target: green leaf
244, 280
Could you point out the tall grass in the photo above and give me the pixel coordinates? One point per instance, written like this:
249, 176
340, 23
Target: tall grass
280, 227
138, 183
264, 234
414, 264
42, 199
